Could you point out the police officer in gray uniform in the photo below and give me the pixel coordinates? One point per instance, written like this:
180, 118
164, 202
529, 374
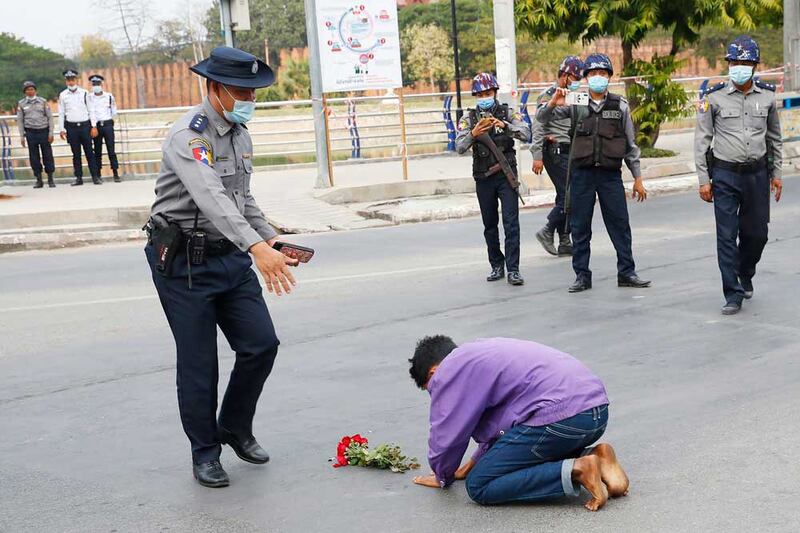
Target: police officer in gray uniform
740, 119
550, 149
35, 123
204, 228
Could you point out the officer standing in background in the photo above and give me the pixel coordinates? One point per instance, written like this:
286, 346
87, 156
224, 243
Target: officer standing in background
604, 136
104, 107
490, 130
550, 148
203, 224
740, 117
77, 124
35, 123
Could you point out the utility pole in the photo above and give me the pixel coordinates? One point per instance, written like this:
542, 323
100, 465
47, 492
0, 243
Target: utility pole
225, 20
459, 110
791, 45
317, 107
505, 50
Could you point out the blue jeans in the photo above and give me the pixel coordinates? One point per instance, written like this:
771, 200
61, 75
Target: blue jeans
530, 463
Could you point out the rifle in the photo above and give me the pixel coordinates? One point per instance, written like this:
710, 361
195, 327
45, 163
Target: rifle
487, 141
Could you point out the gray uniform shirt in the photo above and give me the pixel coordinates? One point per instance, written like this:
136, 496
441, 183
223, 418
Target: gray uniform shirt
738, 125
517, 128
35, 115
549, 122
210, 170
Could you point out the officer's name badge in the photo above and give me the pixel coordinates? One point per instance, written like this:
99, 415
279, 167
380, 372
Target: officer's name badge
202, 153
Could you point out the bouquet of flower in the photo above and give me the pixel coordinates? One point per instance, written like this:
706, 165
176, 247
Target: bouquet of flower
354, 450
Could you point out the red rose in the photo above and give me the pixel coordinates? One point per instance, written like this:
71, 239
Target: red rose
346, 441
341, 460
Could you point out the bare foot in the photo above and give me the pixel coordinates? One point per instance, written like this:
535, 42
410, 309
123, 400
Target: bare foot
586, 471
611, 471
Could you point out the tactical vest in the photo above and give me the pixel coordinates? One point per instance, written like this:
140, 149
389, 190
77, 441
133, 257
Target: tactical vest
600, 136
482, 157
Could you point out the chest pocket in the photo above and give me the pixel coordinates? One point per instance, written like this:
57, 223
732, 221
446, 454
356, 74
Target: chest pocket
730, 114
225, 169
757, 118
247, 165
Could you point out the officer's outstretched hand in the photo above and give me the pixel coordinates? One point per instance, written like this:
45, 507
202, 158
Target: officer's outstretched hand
559, 98
274, 266
777, 188
706, 193
538, 165
639, 192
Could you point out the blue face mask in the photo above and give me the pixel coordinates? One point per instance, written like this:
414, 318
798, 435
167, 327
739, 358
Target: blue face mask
598, 84
740, 74
486, 103
243, 110
574, 85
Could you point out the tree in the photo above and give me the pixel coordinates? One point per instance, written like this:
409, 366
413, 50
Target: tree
96, 52
132, 18
280, 22
294, 82
632, 20
427, 54
20, 61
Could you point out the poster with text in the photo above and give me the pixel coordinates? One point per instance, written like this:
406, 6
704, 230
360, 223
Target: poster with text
359, 45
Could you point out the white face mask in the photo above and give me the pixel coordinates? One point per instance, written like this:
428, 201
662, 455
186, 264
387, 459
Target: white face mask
72, 88
96, 89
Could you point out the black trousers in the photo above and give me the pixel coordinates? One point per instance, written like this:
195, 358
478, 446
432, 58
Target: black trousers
105, 133
490, 190
225, 292
587, 184
38, 141
741, 210
79, 135
556, 162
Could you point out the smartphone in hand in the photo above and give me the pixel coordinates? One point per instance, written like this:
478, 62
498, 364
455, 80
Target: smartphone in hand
294, 251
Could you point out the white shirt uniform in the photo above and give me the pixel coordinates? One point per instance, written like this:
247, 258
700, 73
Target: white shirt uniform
104, 106
74, 107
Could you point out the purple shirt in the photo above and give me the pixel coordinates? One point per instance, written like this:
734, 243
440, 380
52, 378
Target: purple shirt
484, 388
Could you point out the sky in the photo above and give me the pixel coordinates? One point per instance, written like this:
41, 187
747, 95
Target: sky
58, 24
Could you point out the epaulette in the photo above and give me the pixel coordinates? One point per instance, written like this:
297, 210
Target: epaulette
713, 88
199, 123
764, 85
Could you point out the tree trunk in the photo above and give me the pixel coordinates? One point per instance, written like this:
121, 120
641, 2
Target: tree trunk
141, 101
627, 59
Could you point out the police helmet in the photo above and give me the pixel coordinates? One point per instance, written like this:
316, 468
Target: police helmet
743, 48
27, 84
483, 82
571, 65
597, 62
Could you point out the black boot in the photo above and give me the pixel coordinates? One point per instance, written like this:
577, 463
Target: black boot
545, 238
497, 273
50, 182
97, 180
78, 182
38, 184
564, 245
117, 179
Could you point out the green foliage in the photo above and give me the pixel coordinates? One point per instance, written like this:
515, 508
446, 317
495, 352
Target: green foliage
655, 98
20, 61
294, 82
384, 457
649, 152
427, 54
545, 56
96, 52
713, 42
282, 22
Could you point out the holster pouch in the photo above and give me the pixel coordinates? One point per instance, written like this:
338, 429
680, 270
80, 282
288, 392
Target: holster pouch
166, 239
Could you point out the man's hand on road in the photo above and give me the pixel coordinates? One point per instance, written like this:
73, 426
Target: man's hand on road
427, 481
538, 165
274, 266
777, 188
639, 190
706, 193
462, 472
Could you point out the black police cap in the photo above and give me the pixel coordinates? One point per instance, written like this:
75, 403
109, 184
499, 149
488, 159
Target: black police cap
96, 79
70, 73
234, 67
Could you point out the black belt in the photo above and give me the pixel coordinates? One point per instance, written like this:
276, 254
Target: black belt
75, 124
741, 168
559, 148
220, 247
36, 130
102, 123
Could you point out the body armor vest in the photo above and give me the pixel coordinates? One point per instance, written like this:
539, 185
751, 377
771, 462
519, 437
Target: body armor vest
482, 157
600, 136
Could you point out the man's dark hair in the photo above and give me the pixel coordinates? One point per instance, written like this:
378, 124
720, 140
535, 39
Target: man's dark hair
430, 351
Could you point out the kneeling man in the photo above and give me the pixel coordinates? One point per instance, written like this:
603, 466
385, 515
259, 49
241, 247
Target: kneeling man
533, 411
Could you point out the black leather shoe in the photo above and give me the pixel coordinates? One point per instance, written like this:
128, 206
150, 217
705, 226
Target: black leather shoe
211, 474
545, 238
247, 449
97, 181
564, 245
77, 183
514, 278
497, 274
747, 285
731, 308
580, 285
632, 281
50, 182
38, 184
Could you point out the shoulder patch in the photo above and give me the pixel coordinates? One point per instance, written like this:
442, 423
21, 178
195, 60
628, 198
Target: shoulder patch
764, 85
713, 88
201, 151
463, 124
199, 123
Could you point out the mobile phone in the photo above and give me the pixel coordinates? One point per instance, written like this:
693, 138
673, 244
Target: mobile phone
574, 98
294, 251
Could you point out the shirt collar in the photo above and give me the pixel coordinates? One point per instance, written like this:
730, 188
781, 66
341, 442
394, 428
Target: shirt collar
221, 125
753, 88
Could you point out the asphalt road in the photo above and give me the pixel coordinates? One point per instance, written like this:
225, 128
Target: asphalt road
702, 415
